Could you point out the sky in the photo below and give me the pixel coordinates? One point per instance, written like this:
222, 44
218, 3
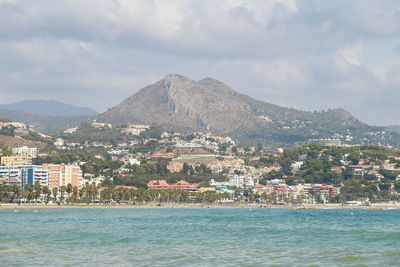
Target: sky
309, 55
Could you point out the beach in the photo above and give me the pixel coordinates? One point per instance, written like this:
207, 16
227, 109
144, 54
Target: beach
374, 206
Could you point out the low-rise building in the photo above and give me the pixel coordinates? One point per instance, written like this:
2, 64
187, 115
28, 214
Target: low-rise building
59, 142
163, 185
10, 161
174, 166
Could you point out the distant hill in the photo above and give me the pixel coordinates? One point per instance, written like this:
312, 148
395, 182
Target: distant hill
42, 124
179, 103
49, 108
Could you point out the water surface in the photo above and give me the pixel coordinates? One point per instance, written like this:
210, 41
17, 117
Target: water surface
200, 237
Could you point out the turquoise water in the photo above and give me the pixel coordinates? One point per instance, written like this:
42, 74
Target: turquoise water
200, 237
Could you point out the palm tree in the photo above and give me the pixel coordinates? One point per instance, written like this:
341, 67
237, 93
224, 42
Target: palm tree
37, 190
55, 193
92, 190
106, 194
28, 192
82, 192
75, 193
62, 192
47, 193
4, 194
16, 190
69, 189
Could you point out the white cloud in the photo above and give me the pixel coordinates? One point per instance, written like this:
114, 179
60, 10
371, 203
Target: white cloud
305, 54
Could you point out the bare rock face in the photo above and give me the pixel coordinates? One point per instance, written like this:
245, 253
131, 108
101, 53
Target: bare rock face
179, 103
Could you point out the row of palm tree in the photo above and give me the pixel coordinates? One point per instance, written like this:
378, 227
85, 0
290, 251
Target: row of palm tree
96, 193
142, 196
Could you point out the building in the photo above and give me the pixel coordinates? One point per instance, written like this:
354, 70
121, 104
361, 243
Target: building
71, 130
326, 141
55, 178
183, 185
93, 180
175, 166
25, 151
73, 175
59, 142
64, 174
163, 185
207, 189
158, 185
32, 174
22, 175
10, 175
133, 161
101, 124
337, 169
357, 169
136, 129
19, 126
10, 161
241, 181
326, 191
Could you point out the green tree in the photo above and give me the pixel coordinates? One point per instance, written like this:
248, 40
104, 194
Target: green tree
55, 193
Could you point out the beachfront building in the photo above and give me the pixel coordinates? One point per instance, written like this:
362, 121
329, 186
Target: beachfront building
55, 178
25, 151
32, 174
22, 175
163, 185
241, 181
10, 175
183, 185
64, 174
158, 185
11, 161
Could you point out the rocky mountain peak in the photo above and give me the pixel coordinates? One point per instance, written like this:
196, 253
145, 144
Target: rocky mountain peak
179, 103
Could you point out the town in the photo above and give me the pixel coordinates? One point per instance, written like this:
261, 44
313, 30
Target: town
100, 163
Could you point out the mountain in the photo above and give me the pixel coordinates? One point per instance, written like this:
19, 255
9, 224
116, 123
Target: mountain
49, 108
179, 103
44, 124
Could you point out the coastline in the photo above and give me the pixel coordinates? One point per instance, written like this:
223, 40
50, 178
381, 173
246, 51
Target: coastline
377, 206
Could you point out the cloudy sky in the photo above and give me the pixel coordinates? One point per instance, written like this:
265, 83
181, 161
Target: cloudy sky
309, 54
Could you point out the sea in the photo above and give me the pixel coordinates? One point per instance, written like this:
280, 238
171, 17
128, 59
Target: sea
199, 237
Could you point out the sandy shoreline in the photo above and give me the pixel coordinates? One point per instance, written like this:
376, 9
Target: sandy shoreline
378, 206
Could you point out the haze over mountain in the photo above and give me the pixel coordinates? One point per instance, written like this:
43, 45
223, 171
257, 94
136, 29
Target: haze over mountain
49, 108
44, 124
178, 103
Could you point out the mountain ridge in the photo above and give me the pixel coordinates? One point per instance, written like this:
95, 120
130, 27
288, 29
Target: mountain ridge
49, 108
177, 102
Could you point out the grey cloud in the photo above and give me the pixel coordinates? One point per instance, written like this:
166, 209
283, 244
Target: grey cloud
73, 50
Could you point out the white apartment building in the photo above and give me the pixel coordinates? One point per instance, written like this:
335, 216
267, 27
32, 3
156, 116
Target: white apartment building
25, 151
241, 181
